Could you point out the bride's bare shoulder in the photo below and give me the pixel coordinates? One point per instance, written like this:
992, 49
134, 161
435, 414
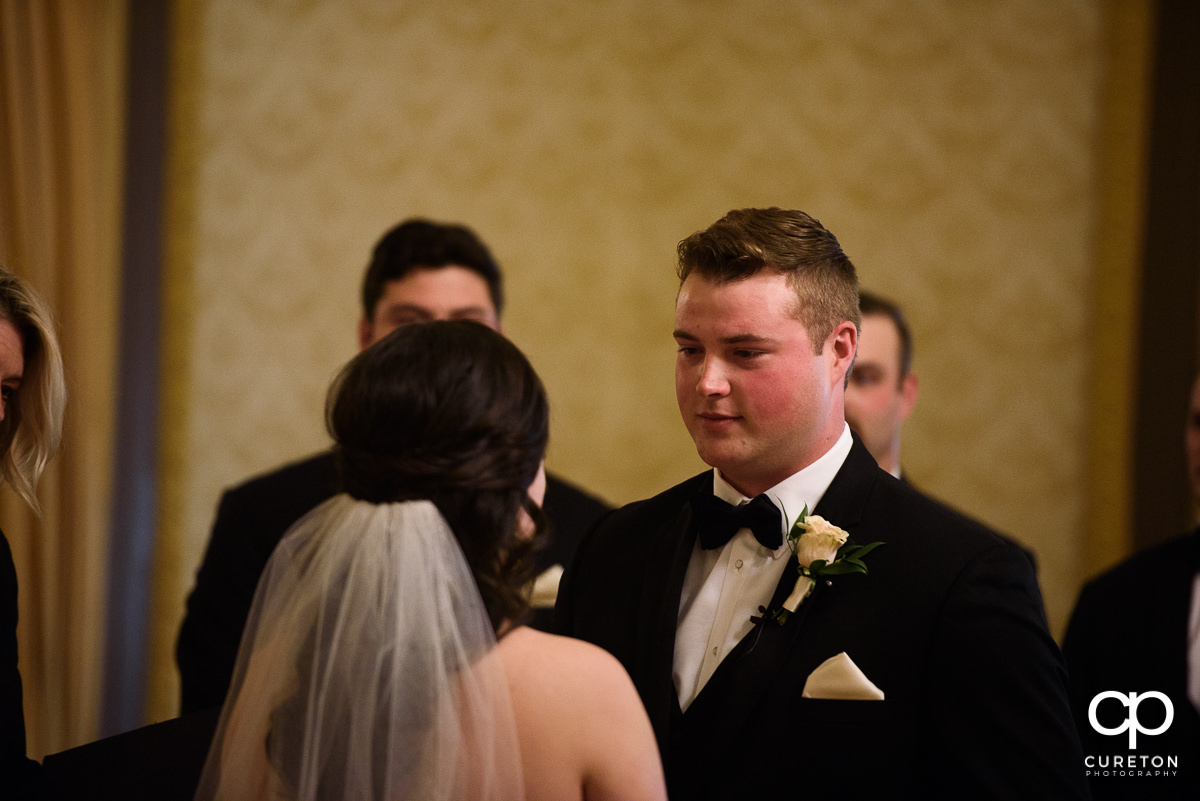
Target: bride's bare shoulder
577, 712
574, 661
579, 715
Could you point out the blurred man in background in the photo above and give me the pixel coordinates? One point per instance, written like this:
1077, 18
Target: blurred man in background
883, 388
1136, 629
419, 271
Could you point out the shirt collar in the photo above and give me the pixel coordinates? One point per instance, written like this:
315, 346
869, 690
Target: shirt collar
804, 488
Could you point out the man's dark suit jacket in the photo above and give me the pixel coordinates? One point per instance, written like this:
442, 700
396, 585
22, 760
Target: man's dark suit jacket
159, 762
948, 623
18, 774
254, 516
1128, 633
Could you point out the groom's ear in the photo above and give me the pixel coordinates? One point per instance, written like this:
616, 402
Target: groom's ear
841, 346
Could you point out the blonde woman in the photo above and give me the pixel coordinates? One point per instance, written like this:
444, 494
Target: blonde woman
32, 396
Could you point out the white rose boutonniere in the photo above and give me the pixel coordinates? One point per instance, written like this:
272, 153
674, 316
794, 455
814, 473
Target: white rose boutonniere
821, 551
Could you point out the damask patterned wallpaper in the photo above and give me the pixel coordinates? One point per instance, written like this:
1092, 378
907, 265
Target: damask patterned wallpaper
949, 145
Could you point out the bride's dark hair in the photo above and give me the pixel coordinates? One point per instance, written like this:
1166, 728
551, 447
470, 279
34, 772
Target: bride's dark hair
451, 412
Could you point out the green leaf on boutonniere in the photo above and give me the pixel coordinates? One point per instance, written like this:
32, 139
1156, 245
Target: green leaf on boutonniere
841, 568
821, 549
857, 551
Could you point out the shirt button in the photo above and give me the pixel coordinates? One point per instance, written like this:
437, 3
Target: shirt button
714, 651
738, 564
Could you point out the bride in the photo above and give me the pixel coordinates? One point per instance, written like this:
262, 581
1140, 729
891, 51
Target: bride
383, 657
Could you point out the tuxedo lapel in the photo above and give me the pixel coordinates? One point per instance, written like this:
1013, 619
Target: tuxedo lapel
752, 668
654, 655
844, 501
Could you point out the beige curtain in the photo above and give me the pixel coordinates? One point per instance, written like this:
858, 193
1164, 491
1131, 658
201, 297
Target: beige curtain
62, 105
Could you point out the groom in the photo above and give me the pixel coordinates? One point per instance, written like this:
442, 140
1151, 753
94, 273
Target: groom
930, 676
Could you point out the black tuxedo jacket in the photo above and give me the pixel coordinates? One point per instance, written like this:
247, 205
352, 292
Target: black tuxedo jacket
948, 623
1128, 633
253, 517
159, 762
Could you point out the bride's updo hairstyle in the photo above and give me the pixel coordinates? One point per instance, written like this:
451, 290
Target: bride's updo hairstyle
450, 412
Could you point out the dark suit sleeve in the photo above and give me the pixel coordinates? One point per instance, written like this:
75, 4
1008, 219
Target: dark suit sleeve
572, 513
251, 519
564, 606
1086, 631
1000, 725
218, 606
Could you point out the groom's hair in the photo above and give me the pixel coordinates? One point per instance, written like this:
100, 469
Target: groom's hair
746, 241
453, 413
419, 244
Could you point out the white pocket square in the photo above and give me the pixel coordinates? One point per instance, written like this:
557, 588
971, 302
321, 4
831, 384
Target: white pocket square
545, 588
838, 678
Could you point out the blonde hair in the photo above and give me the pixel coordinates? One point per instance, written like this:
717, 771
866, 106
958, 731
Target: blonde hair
32, 424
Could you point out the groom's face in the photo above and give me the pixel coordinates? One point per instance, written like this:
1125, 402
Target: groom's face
760, 401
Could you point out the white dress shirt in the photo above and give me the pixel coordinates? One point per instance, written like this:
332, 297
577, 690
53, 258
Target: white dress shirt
724, 587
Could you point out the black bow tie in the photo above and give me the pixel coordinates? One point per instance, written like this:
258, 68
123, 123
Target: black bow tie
717, 521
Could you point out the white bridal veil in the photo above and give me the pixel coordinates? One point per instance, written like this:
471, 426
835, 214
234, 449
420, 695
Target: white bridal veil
367, 670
